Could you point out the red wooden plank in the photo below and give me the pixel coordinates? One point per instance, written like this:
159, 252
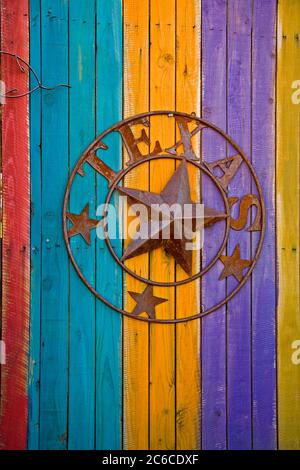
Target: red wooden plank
16, 204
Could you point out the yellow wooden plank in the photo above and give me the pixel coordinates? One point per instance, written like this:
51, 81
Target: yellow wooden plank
136, 333
187, 296
287, 188
162, 337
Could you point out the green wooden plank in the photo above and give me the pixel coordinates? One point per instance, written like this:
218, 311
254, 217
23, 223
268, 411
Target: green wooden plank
109, 276
54, 308
82, 301
35, 279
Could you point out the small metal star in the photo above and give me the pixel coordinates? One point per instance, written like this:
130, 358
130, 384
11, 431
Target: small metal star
82, 224
234, 265
146, 302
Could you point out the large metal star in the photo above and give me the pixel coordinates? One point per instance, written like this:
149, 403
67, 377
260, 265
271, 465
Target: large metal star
176, 191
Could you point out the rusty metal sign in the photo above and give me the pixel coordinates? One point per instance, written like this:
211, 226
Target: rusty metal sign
228, 174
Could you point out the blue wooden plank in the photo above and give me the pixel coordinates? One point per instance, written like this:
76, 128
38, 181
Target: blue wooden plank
54, 313
109, 277
35, 279
82, 302
239, 308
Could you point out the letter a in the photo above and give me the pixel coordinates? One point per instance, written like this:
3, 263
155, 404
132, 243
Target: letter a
229, 166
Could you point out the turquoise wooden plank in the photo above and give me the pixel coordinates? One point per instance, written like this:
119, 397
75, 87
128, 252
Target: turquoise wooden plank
35, 279
109, 277
81, 408
54, 308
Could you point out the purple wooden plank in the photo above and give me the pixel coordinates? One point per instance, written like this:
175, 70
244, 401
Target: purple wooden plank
263, 279
213, 326
239, 309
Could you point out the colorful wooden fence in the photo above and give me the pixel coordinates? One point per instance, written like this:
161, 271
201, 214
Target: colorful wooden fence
77, 375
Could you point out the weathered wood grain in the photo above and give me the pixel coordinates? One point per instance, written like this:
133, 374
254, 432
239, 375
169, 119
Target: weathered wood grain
213, 351
188, 296
239, 308
263, 277
162, 337
108, 277
54, 275
76, 353
81, 404
136, 334
16, 223
36, 230
288, 223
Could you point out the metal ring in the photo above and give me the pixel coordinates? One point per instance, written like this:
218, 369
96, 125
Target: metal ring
225, 237
84, 156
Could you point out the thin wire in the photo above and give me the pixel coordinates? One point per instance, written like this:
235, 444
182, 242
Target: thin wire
21, 61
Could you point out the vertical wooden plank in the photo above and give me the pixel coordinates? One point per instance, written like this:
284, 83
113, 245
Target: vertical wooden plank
81, 409
162, 337
108, 322
36, 231
287, 188
135, 333
239, 308
187, 296
15, 164
54, 298
263, 277
214, 17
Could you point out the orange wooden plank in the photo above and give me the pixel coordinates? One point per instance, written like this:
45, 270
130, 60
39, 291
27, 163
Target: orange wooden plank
162, 337
187, 296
